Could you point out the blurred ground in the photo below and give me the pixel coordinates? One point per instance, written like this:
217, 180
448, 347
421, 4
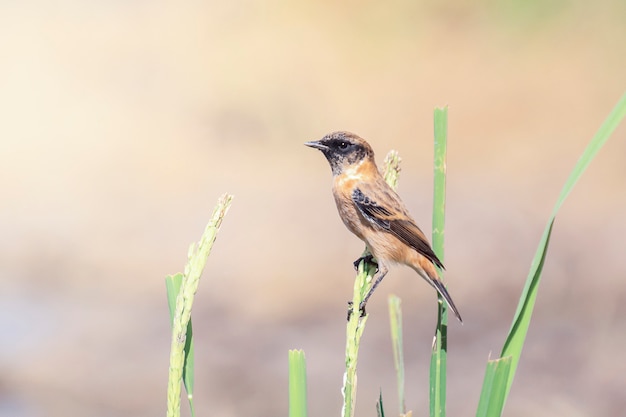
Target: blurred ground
122, 122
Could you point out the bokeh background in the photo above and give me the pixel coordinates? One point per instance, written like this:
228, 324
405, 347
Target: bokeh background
122, 122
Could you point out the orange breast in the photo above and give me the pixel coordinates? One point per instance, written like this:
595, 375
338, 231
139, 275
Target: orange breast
342, 191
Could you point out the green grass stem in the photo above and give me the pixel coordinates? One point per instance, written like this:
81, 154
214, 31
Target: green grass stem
395, 325
440, 345
494, 387
297, 384
189, 281
173, 284
380, 410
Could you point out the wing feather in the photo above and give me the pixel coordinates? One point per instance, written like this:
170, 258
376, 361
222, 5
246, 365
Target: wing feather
398, 223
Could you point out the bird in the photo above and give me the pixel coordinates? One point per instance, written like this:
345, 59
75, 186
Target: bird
374, 212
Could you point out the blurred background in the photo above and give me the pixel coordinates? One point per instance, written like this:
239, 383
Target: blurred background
122, 122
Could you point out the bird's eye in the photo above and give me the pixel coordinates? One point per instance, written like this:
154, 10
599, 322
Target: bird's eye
343, 145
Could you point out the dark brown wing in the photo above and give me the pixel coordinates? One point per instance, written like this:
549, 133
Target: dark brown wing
380, 208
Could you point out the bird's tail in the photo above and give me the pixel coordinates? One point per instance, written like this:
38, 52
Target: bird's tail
441, 289
429, 273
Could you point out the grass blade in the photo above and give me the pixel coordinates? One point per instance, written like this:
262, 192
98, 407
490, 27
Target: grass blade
395, 319
172, 284
493, 392
297, 384
354, 331
198, 255
380, 411
517, 334
440, 345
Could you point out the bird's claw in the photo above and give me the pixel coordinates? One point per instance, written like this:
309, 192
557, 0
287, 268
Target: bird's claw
361, 310
369, 259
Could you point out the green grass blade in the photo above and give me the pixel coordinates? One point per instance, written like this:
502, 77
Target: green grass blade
380, 411
395, 321
392, 169
494, 388
172, 284
517, 334
354, 331
356, 323
198, 255
440, 346
297, 384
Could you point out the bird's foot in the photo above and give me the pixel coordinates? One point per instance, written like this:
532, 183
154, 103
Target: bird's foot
369, 259
361, 309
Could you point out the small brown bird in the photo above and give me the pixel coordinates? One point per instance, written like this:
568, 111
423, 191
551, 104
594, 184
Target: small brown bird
373, 211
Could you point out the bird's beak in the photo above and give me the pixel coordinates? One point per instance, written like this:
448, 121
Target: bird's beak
317, 145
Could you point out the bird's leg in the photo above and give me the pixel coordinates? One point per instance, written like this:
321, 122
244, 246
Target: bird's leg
369, 259
382, 271
362, 310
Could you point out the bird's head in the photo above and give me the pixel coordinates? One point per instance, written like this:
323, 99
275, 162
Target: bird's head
343, 150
